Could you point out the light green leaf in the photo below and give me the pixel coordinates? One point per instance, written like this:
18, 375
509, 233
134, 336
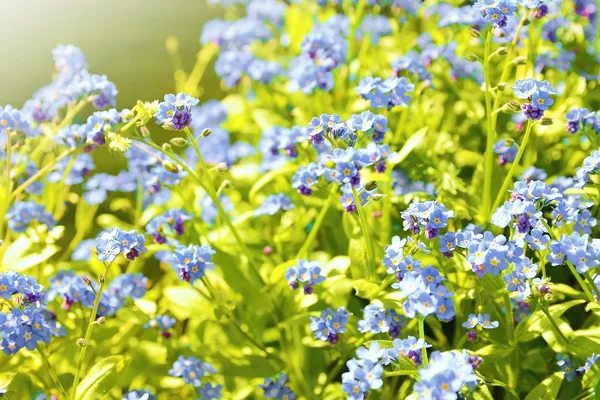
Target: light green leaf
494, 351
592, 377
384, 344
101, 378
538, 322
265, 179
409, 146
365, 289
5, 380
481, 392
548, 389
402, 367
32, 260
183, 301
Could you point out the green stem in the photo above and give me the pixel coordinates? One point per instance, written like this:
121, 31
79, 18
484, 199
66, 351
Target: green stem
422, 336
315, 228
552, 321
587, 276
88, 332
511, 171
366, 234
509, 60
489, 147
72, 113
212, 193
42, 171
53, 375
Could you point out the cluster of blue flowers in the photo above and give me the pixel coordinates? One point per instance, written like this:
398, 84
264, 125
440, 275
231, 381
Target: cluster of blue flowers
175, 112
506, 151
364, 373
192, 371
23, 213
388, 93
446, 374
323, 49
306, 274
330, 324
167, 226
277, 388
75, 289
93, 133
374, 26
163, 323
537, 94
582, 119
116, 241
274, 203
430, 215
27, 321
13, 120
496, 13
278, 145
191, 262
377, 319
72, 83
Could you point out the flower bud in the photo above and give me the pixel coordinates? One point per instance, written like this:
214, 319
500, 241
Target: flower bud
178, 142
86, 280
206, 132
509, 142
471, 57
167, 147
502, 51
170, 166
378, 196
475, 33
172, 44
547, 121
144, 131
225, 184
372, 185
512, 107
501, 86
81, 342
101, 278
100, 321
526, 21
221, 167
521, 60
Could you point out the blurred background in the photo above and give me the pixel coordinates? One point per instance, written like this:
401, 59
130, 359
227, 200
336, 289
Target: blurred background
124, 39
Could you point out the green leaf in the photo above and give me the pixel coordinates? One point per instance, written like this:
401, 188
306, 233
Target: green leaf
409, 146
365, 289
582, 347
383, 344
592, 377
481, 392
250, 367
403, 367
548, 389
32, 260
265, 179
494, 351
5, 380
101, 378
180, 298
537, 323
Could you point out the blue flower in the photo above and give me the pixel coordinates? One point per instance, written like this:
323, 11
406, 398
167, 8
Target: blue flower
330, 324
191, 369
22, 213
175, 111
192, 262
208, 391
273, 204
111, 243
139, 394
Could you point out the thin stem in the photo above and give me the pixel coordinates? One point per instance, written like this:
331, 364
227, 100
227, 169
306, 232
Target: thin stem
88, 332
366, 235
489, 160
42, 171
511, 171
315, 228
52, 372
509, 60
212, 193
552, 321
202, 59
72, 113
587, 276
422, 336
